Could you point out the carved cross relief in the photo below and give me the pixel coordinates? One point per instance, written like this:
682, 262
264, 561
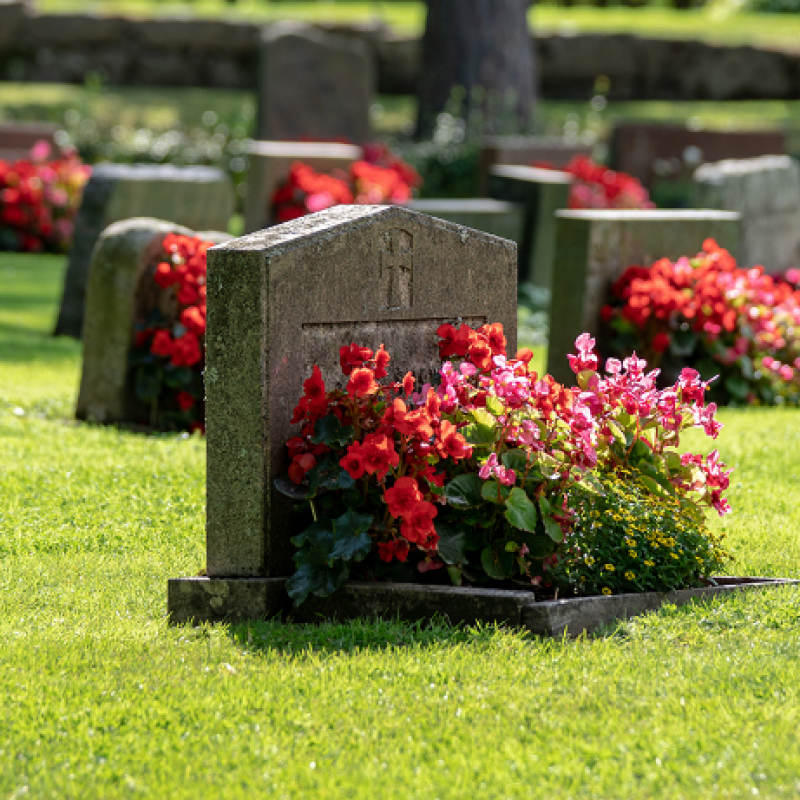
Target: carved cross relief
397, 269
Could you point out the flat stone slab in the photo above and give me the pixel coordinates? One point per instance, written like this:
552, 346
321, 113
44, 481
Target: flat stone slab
200, 599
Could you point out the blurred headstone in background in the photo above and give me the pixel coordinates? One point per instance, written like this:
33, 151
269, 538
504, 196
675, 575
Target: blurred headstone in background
651, 151
201, 198
527, 151
593, 249
766, 192
541, 192
17, 138
116, 295
269, 167
313, 86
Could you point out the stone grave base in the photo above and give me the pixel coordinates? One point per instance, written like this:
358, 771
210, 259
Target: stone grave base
200, 599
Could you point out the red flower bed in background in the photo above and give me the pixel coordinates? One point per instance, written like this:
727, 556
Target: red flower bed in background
39, 200
596, 186
168, 355
707, 313
380, 177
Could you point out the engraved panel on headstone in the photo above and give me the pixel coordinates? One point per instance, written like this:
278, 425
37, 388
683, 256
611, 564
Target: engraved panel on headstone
397, 269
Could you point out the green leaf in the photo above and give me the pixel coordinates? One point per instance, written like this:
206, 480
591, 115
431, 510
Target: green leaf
495, 405
592, 484
351, 541
737, 386
294, 490
451, 544
619, 434
650, 485
520, 511
673, 460
498, 564
313, 576
479, 435
464, 491
319, 534
495, 492
482, 417
331, 432
455, 575
328, 474
148, 381
178, 378
552, 529
516, 460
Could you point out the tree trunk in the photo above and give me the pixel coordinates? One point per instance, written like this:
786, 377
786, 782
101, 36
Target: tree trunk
478, 43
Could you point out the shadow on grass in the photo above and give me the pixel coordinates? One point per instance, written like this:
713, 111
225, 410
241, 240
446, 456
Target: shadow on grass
368, 634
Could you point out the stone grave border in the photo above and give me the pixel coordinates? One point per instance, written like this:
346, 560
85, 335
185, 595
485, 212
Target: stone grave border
231, 600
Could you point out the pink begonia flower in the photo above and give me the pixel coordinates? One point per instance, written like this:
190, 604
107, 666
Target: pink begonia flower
506, 476
586, 359
613, 366
320, 201
41, 151
786, 372
487, 470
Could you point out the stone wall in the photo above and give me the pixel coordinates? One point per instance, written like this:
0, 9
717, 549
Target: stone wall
213, 53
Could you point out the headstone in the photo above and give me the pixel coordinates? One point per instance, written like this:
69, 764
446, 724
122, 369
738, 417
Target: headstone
201, 198
12, 20
593, 248
313, 85
284, 299
766, 192
115, 297
269, 167
643, 149
17, 138
541, 192
526, 151
490, 216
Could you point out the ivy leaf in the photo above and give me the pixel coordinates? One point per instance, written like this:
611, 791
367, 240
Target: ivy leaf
464, 491
520, 511
495, 492
451, 544
351, 541
498, 564
331, 432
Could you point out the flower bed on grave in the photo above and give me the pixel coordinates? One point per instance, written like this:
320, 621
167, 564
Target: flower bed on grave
498, 477
708, 314
378, 178
168, 353
597, 187
39, 198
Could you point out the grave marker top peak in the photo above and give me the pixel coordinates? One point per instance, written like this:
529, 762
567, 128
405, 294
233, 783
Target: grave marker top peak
342, 219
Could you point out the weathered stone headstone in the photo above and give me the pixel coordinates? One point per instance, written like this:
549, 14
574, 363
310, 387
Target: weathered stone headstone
284, 299
525, 151
269, 167
17, 138
541, 192
313, 85
201, 198
593, 248
114, 298
639, 148
766, 192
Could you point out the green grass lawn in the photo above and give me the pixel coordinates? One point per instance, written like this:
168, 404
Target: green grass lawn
710, 23
101, 699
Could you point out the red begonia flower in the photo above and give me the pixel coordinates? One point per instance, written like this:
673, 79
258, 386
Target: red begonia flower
403, 496
362, 383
